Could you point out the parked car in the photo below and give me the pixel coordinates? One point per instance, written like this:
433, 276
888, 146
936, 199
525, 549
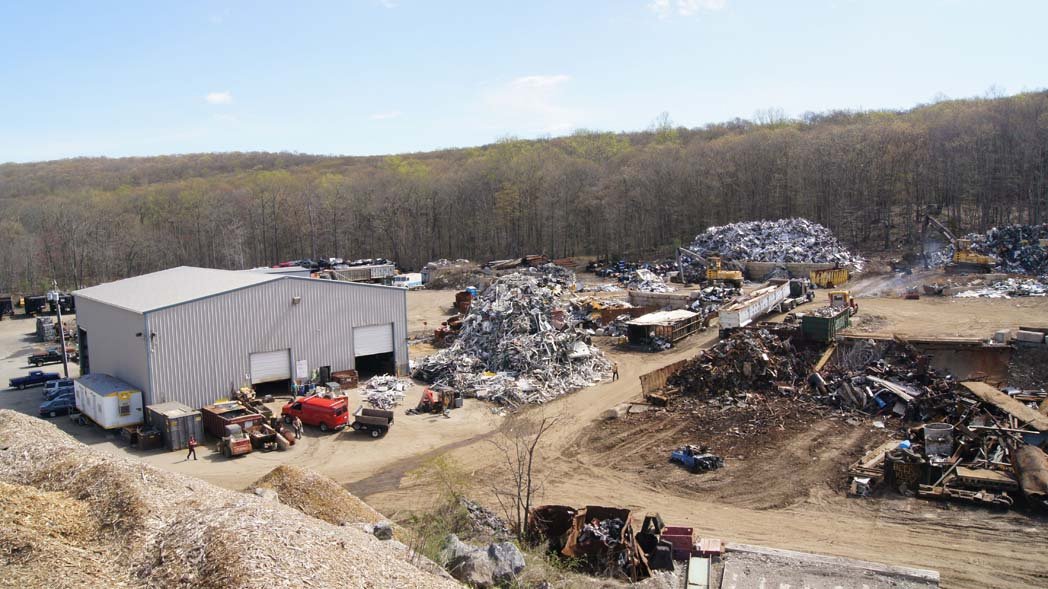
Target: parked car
34, 378
327, 414
60, 405
61, 383
58, 392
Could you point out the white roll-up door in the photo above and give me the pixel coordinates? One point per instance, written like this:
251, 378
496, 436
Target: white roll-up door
373, 339
270, 366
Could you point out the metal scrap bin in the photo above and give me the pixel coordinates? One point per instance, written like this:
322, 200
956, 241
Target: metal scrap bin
829, 278
825, 329
176, 423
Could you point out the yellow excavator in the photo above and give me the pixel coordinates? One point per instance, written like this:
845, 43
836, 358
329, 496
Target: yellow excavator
965, 260
714, 271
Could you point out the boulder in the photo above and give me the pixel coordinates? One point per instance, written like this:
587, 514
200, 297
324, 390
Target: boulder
508, 561
468, 564
383, 530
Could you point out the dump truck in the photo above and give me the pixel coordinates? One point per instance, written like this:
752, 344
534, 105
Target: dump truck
374, 421
760, 302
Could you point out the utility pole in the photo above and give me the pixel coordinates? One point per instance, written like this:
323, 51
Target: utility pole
56, 297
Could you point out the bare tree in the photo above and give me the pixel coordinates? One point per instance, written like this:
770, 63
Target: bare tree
519, 443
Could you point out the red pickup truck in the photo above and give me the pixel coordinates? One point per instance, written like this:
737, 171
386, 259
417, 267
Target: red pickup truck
328, 414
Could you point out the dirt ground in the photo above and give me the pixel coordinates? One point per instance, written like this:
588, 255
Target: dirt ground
776, 491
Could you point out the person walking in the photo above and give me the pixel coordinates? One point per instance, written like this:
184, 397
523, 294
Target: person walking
615, 372
297, 425
192, 447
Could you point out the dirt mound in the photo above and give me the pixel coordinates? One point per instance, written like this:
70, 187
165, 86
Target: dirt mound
165, 529
317, 496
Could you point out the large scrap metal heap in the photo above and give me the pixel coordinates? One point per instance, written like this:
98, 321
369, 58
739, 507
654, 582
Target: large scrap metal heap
746, 361
783, 241
518, 345
959, 441
1017, 247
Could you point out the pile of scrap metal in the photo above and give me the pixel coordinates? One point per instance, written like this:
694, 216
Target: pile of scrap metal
710, 299
385, 391
1006, 289
622, 270
517, 345
645, 280
532, 261
554, 272
759, 359
600, 540
886, 377
1019, 249
987, 451
783, 241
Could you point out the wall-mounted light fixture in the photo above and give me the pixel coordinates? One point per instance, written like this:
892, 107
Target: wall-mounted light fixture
296, 300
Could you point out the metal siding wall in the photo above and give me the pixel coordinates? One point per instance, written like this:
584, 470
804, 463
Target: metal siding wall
202, 348
113, 347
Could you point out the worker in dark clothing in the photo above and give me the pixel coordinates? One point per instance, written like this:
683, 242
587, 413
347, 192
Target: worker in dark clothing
297, 425
192, 448
615, 372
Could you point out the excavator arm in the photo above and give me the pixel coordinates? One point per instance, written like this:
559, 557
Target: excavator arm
930, 220
683, 252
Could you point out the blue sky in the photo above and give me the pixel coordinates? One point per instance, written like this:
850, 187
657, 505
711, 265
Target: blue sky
362, 77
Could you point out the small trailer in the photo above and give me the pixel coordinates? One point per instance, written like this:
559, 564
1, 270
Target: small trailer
7, 307
374, 421
108, 401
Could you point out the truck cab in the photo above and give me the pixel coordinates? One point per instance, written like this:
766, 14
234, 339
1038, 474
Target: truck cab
327, 414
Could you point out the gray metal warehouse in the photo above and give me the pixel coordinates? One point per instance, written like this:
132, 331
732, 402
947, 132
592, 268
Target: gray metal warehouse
194, 335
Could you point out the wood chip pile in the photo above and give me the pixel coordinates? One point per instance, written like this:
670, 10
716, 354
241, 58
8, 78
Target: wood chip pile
151, 528
317, 496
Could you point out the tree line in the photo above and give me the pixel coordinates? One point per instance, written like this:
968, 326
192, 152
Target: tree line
866, 175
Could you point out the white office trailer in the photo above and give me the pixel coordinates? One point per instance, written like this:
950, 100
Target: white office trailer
194, 335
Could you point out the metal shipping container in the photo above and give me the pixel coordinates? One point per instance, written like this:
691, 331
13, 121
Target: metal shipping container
218, 416
176, 422
824, 329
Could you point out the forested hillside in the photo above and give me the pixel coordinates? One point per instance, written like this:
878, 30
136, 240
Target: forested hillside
865, 175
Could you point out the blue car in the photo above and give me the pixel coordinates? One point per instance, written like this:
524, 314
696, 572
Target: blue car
60, 405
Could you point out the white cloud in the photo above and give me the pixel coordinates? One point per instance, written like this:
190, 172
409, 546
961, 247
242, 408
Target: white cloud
219, 97
388, 3
539, 81
667, 8
381, 116
530, 105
